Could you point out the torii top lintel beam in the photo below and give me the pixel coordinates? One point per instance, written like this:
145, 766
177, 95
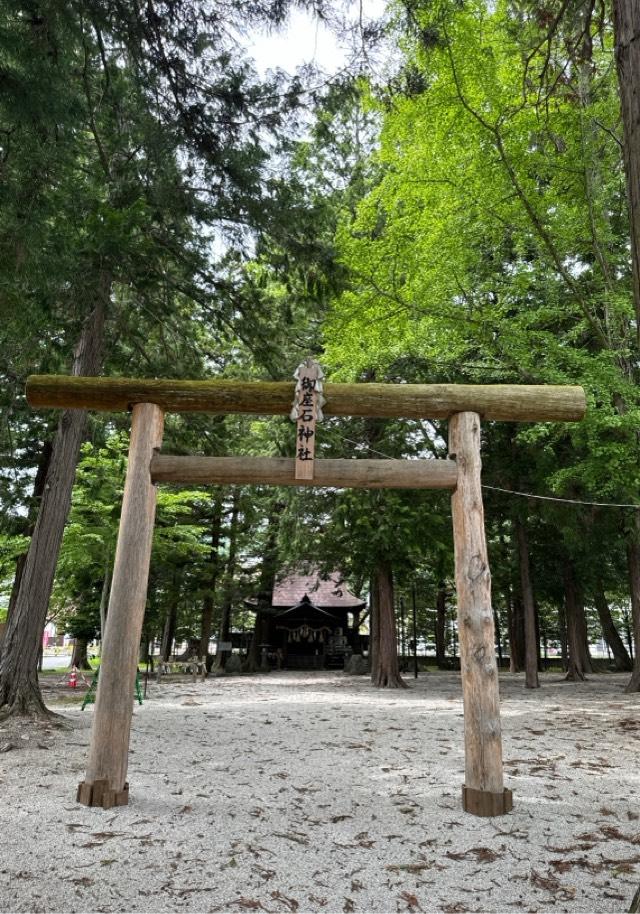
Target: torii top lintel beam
510, 402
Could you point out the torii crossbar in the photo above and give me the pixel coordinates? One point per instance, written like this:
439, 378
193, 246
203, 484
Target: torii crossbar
483, 792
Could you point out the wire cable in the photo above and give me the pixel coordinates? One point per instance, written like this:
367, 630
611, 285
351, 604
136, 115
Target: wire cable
556, 498
568, 501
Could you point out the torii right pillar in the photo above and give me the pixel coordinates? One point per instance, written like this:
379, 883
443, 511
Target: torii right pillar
483, 792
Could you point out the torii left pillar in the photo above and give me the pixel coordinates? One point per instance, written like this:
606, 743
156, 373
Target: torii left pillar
105, 783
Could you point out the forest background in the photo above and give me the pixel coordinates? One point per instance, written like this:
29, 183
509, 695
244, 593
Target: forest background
455, 205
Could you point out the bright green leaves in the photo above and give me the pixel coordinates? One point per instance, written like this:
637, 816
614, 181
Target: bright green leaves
497, 214
494, 246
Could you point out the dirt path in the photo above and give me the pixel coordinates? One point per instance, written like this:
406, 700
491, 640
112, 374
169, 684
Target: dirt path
314, 792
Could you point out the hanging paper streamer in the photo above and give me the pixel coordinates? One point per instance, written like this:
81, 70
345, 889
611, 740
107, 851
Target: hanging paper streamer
305, 633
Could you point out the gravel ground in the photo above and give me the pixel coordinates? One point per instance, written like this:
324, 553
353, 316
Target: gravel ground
296, 792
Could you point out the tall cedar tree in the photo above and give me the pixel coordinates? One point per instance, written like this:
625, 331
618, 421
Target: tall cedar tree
114, 97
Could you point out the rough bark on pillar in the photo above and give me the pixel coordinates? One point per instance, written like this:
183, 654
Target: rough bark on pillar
484, 792
105, 783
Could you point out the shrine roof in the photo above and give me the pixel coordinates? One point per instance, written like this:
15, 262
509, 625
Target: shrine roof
324, 591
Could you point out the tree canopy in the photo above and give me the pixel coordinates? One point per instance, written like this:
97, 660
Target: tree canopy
457, 214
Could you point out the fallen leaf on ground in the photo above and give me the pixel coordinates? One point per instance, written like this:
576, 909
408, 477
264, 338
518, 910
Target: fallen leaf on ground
249, 904
482, 854
290, 903
411, 900
296, 837
407, 867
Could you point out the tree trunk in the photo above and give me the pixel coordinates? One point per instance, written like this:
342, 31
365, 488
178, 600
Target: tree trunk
578, 662
79, 658
508, 604
611, 635
252, 663
357, 642
265, 594
496, 625
626, 621
19, 688
207, 604
562, 635
374, 628
386, 672
633, 560
583, 630
169, 631
528, 603
538, 638
441, 621
545, 649
626, 26
38, 490
227, 599
224, 635
256, 657
143, 648
104, 599
206, 620
404, 636
516, 635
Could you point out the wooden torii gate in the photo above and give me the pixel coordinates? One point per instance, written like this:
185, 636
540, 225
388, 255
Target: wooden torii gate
483, 792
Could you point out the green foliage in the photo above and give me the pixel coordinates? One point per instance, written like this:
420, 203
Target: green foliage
464, 222
11, 547
494, 246
88, 548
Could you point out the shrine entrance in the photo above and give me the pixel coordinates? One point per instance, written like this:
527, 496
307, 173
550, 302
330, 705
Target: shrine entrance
483, 792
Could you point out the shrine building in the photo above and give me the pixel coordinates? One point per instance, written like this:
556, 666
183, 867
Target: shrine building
312, 622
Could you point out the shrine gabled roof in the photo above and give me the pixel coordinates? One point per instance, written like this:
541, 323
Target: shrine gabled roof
305, 604
324, 591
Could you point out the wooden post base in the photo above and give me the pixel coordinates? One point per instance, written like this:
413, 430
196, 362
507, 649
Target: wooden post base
483, 803
100, 794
